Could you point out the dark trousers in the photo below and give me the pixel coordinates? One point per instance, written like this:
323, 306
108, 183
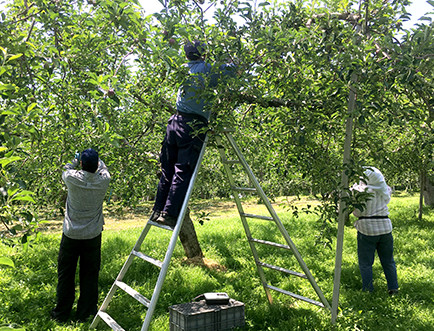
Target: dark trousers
88, 251
179, 155
366, 247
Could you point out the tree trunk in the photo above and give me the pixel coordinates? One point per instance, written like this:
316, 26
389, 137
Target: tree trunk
188, 238
422, 184
428, 191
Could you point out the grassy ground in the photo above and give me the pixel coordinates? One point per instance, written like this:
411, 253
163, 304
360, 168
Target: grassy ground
27, 292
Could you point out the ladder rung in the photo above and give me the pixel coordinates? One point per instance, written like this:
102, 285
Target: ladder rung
149, 259
270, 243
267, 218
110, 321
244, 189
136, 295
231, 161
294, 273
296, 296
158, 225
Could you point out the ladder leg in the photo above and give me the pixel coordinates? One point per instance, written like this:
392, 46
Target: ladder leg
121, 275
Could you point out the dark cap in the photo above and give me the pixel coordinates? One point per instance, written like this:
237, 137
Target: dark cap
194, 50
89, 160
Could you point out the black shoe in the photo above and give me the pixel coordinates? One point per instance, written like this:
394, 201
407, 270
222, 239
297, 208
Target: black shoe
84, 319
393, 292
58, 317
166, 219
154, 216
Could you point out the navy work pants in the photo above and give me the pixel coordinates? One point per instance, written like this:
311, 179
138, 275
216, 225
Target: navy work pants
366, 247
179, 155
88, 251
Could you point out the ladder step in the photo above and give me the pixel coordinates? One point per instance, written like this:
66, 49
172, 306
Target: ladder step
110, 321
162, 226
267, 218
225, 130
136, 295
149, 259
231, 161
270, 243
296, 296
244, 189
294, 273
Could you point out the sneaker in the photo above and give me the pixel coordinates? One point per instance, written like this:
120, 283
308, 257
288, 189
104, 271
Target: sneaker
393, 292
154, 216
166, 219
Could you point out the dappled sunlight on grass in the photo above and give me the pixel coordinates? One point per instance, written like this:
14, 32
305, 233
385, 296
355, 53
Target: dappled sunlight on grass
28, 291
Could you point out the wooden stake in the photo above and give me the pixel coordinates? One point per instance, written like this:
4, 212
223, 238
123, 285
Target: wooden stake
342, 205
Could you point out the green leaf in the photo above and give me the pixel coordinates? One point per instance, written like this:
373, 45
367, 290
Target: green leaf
6, 160
11, 192
14, 57
23, 196
425, 18
6, 261
31, 106
7, 87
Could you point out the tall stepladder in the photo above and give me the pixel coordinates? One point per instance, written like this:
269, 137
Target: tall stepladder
150, 304
255, 188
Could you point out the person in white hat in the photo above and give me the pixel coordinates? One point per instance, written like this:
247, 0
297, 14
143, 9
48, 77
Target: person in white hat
374, 230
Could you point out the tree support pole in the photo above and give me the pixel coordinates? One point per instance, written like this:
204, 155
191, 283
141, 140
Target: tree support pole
342, 204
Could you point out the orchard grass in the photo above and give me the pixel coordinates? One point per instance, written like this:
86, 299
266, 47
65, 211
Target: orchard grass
27, 292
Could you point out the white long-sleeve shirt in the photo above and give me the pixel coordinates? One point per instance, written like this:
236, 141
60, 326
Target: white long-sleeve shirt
83, 217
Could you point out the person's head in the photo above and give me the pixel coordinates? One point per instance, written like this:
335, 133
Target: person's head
373, 176
375, 181
89, 160
194, 50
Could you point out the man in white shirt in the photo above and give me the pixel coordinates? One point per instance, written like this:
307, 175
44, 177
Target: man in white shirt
374, 231
81, 238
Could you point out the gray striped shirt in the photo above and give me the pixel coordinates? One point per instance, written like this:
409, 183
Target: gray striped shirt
83, 217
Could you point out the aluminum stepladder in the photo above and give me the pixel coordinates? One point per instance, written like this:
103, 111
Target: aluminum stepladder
164, 265
254, 187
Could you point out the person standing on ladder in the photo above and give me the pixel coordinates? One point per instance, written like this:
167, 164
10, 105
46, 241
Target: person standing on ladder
374, 231
81, 236
185, 133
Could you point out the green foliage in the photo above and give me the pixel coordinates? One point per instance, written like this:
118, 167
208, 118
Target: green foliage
102, 74
28, 290
16, 215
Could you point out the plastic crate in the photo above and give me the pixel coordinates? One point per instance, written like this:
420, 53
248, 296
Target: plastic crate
198, 316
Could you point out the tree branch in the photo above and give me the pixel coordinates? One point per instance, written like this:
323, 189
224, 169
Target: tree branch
352, 18
423, 57
169, 107
251, 99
